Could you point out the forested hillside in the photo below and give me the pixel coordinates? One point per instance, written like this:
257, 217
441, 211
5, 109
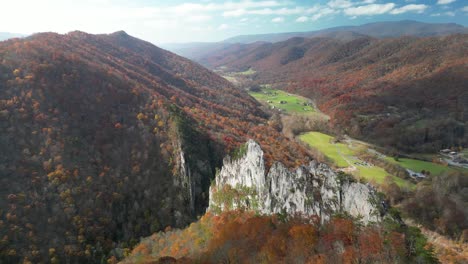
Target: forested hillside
243, 237
107, 138
408, 92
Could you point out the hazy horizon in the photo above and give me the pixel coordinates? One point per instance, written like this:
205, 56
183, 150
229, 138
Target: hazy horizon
207, 21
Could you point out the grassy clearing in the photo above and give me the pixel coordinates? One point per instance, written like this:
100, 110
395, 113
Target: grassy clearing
419, 165
322, 142
289, 103
344, 155
230, 79
250, 71
378, 174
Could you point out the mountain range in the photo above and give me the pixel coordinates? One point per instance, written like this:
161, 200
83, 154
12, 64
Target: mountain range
388, 29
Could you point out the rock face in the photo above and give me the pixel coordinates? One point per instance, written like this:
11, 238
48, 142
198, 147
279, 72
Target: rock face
309, 190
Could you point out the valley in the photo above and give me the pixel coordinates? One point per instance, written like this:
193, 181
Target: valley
359, 83
283, 101
367, 163
346, 144
344, 152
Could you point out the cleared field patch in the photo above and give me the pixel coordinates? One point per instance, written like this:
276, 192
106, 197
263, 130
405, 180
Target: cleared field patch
343, 155
288, 103
419, 165
250, 71
322, 142
230, 79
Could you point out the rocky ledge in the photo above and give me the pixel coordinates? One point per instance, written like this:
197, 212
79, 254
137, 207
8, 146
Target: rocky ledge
315, 189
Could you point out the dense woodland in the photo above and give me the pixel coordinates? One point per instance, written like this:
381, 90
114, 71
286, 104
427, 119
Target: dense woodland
92, 128
407, 93
243, 237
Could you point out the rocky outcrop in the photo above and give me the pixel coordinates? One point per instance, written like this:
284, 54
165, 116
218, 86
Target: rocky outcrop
314, 189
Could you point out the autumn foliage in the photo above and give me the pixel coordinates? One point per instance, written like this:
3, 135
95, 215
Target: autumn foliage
407, 92
92, 128
243, 237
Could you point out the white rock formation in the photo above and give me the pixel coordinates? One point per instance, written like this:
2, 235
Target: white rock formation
309, 190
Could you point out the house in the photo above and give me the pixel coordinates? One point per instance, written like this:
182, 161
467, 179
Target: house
445, 151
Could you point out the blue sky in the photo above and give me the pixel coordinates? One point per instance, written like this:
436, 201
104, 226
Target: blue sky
166, 21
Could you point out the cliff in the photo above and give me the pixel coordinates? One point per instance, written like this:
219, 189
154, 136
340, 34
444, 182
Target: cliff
315, 189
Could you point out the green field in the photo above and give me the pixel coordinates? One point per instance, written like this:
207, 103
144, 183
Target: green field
291, 103
419, 165
322, 142
250, 71
344, 155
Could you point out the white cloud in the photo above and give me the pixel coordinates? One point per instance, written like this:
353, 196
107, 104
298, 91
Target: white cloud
281, 11
235, 13
302, 19
340, 4
343, 4
445, 2
278, 20
265, 11
198, 18
223, 27
313, 9
465, 9
409, 8
208, 7
323, 12
369, 10
450, 13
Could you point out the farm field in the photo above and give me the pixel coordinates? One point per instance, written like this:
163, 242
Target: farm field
419, 165
286, 102
343, 155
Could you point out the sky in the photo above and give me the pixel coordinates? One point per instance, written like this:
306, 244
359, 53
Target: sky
173, 21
